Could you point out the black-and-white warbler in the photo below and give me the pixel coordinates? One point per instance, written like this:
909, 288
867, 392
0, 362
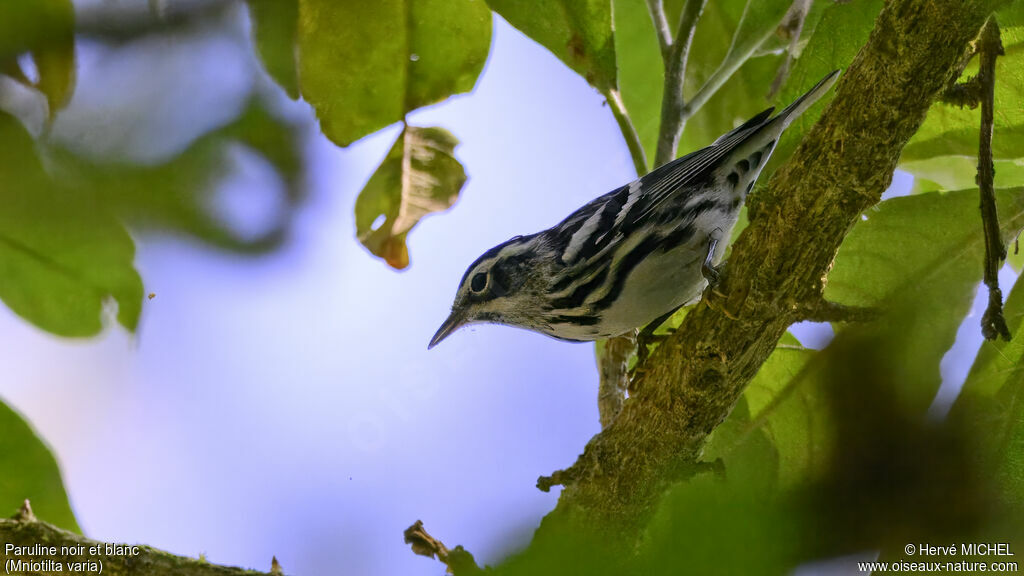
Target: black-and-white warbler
632, 256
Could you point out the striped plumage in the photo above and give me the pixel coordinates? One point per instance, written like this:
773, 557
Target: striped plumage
630, 256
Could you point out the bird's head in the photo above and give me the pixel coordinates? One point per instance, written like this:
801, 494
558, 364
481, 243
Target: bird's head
501, 286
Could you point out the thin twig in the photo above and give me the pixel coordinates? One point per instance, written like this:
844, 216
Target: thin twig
673, 117
557, 478
993, 324
732, 62
636, 149
791, 27
614, 377
458, 560
657, 10
964, 94
825, 311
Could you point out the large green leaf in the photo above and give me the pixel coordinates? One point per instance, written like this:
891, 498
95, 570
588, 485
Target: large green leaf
62, 255
365, 65
953, 131
176, 193
838, 37
780, 431
926, 250
918, 257
958, 172
275, 31
30, 473
26, 26
699, 522
578, 32
418, 177
641, 72
45, 29
991, 403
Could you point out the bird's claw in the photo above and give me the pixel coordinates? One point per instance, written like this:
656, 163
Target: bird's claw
711, 274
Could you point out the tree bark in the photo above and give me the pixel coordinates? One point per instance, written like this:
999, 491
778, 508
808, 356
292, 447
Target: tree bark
32, 540
781, 260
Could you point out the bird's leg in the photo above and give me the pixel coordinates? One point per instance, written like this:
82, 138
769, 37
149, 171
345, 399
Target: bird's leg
708, 270
712, 275
646, 337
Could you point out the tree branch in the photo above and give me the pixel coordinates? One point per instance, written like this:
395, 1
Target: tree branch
791, 27
840, 169
613, 377
993, 324
822, 310
673, 118
657, 10
24, 531
458, 560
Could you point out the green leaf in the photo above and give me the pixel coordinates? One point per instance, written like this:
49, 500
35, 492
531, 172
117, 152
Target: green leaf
840, 34
921, 253
418, 177
275, 32
920, 256
27, 26
958, 172
578, 32
699, 522
727, 34
30, 472
46, 29
61, 253
758, 21
991, 403
175, 194
780, 431
953, 131
365, 65
640, 69
56, 65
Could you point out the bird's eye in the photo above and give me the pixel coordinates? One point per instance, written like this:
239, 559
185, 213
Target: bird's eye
479, 282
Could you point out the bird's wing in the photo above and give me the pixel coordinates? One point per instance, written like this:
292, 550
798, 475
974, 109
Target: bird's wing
666, 180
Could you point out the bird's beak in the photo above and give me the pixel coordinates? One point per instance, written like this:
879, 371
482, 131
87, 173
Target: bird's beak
450, 325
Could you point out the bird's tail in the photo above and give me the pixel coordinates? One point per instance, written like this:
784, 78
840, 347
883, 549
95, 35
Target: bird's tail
794, 110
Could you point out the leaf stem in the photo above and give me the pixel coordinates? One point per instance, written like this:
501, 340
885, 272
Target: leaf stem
673, 116
636, 149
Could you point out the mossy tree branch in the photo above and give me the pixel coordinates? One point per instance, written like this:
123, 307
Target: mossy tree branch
25, 531
841, 169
